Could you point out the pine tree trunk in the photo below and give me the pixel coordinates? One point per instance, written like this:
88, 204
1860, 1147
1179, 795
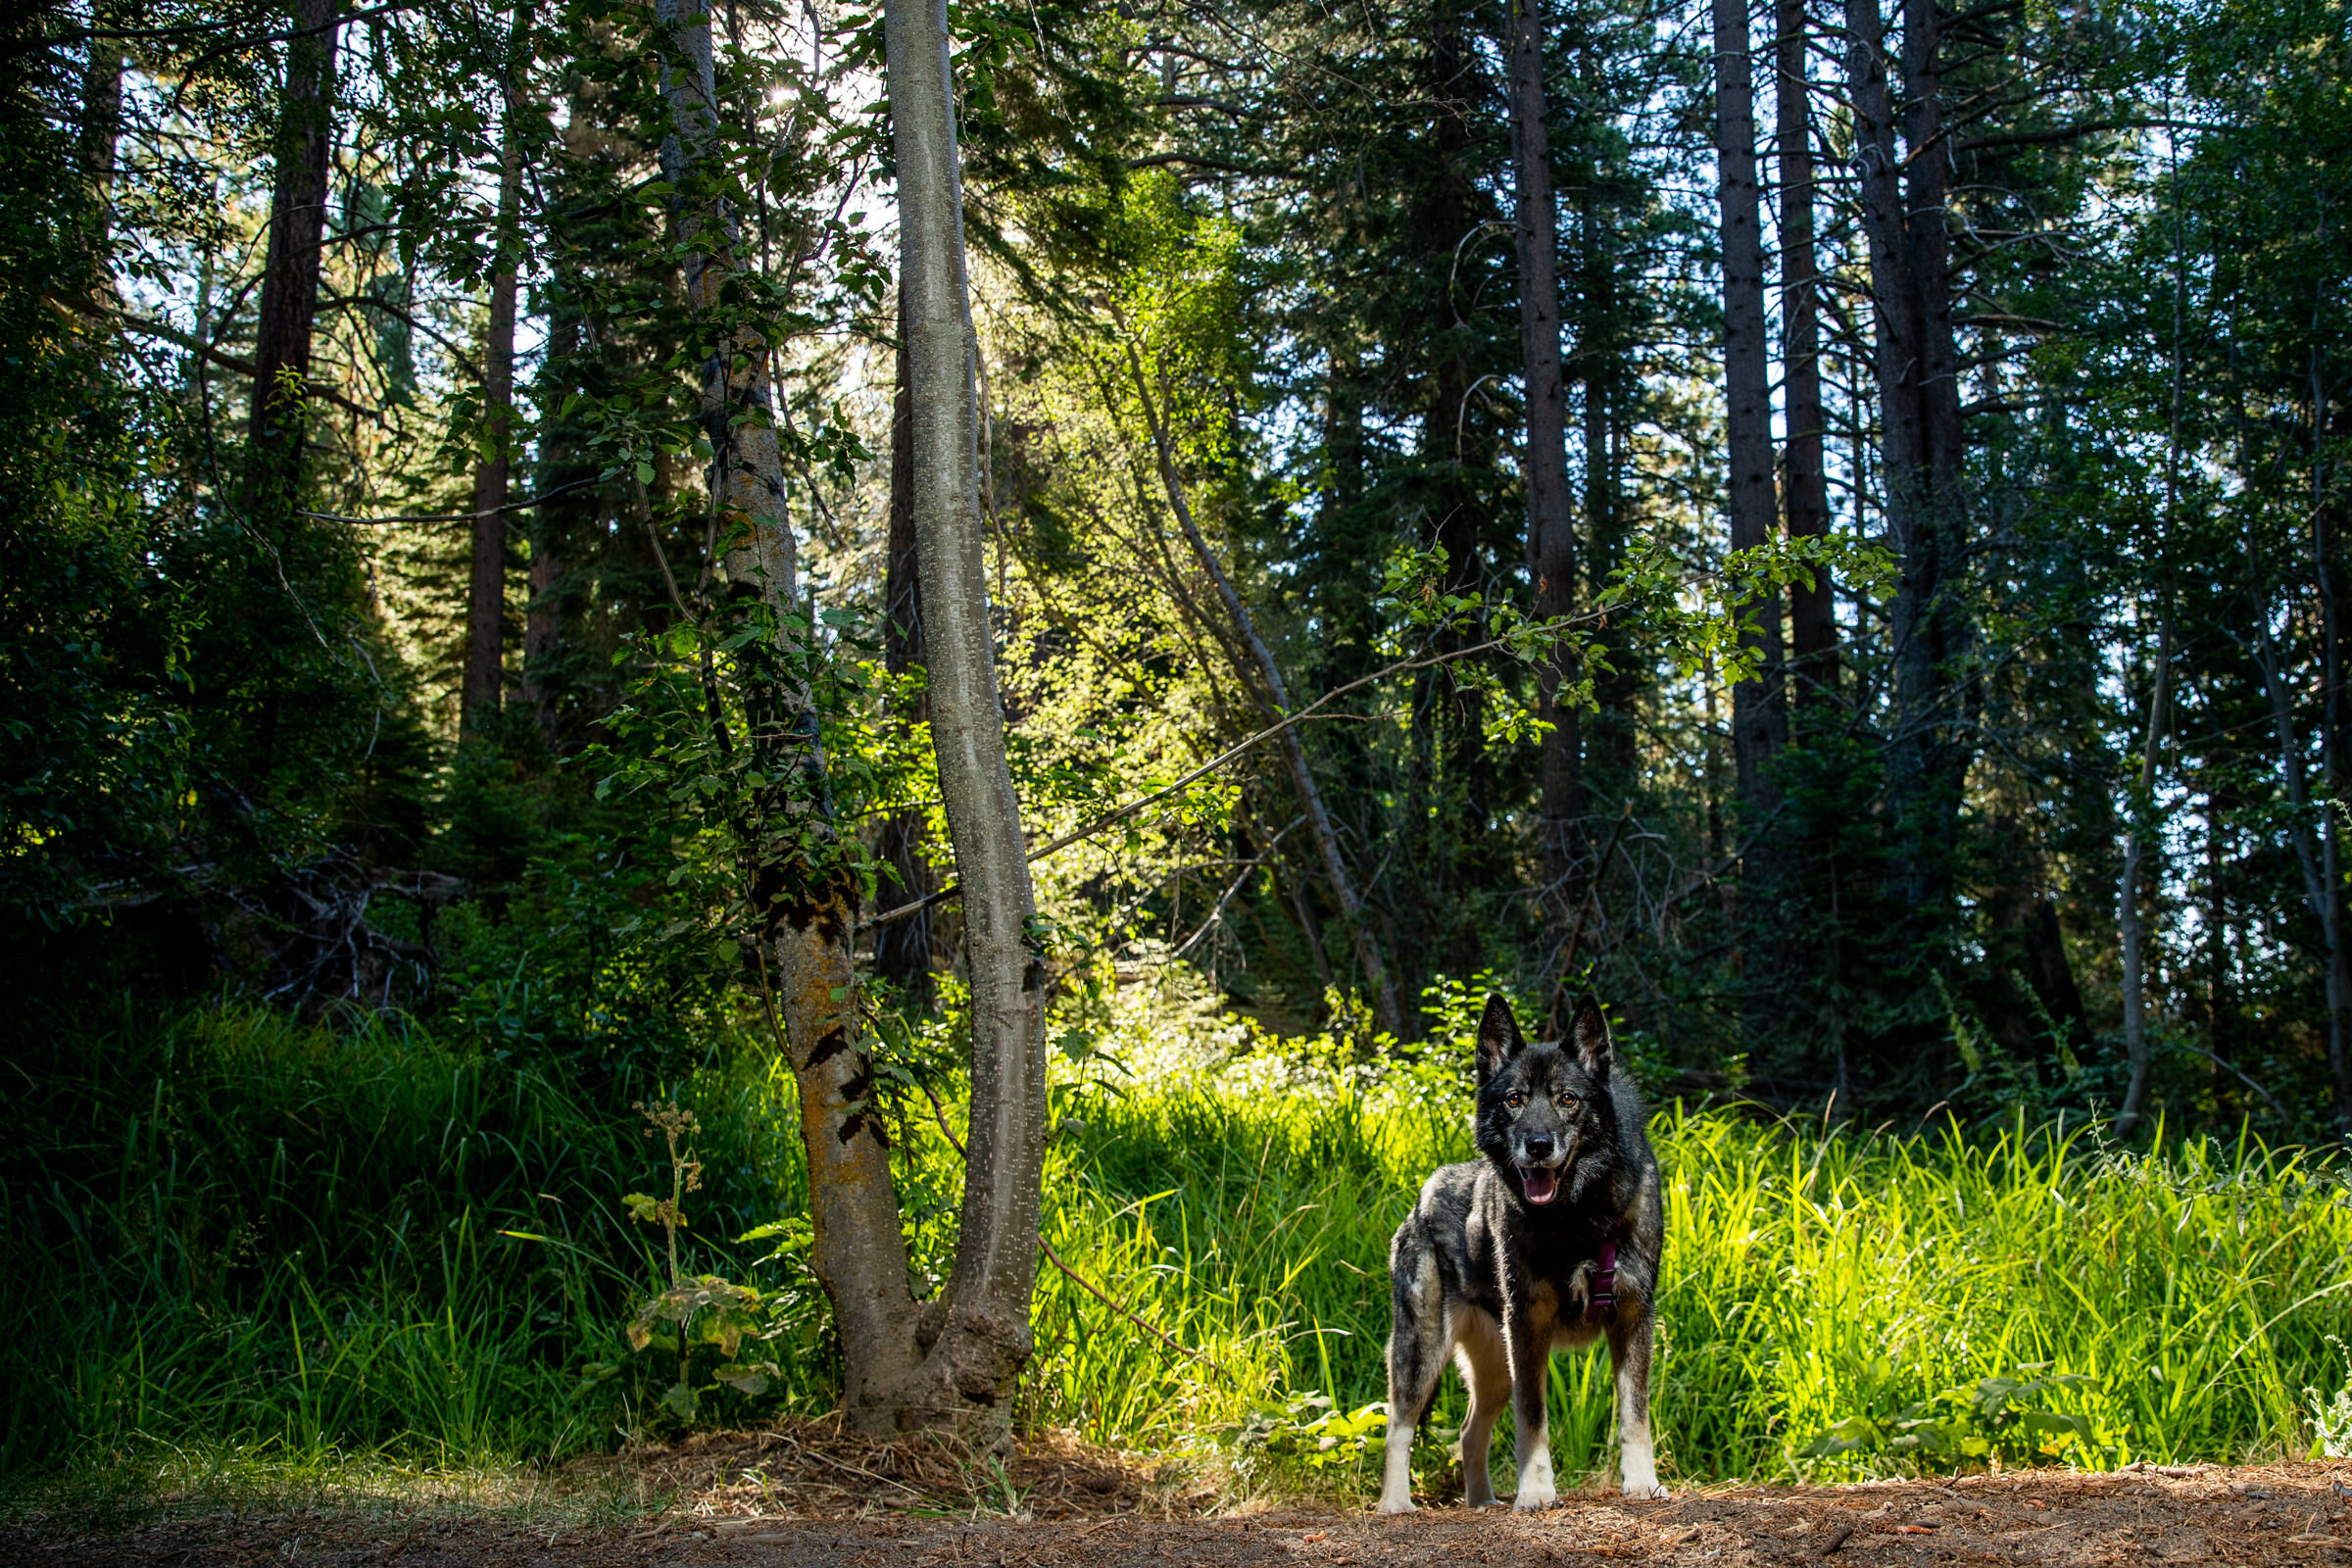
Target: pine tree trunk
289, 301
101, 131
799, 879
1902, 212
1550, 524
1804, 483
1610, 775
985, 1337
486, 593
1759, 721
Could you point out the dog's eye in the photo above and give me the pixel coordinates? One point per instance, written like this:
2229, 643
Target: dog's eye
1565, 1101
1514, 1100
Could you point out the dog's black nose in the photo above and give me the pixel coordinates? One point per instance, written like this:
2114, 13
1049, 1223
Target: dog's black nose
1538, 1145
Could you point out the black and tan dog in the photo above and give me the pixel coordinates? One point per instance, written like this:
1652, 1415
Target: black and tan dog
1549, 1240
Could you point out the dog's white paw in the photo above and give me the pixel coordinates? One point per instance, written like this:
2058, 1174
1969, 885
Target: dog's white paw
1390, 1504
1647, 1492
1533, 1494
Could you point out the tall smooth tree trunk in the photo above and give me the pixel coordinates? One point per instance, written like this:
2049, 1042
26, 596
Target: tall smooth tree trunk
903, 948
1759, 720
1550, 519
2131, 929
1610, 770
289, 301
1804, 481
799, 879
1385, 1012
986, 1337
486, 590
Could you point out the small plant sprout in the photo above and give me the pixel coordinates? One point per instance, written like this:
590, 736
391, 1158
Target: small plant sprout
697, 1312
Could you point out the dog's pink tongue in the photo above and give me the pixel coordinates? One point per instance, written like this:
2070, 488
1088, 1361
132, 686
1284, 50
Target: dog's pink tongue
1540, 1183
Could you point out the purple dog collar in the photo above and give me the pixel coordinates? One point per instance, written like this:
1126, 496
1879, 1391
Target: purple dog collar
1605, 1281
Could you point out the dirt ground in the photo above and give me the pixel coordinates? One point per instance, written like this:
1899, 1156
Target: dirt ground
811, 1501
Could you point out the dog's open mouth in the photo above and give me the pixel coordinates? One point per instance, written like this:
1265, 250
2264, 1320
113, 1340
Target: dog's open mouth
1541, 1185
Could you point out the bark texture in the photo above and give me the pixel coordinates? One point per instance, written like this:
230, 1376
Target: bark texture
289, 301
1550, 519
971, 1370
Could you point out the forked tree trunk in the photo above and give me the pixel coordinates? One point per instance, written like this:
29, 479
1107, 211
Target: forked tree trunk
799, 880
971, 1370
1805, 482
486, 596
1550, 524
289, 302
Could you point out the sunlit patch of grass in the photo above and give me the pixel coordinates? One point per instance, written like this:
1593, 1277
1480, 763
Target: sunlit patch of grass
1814, 1274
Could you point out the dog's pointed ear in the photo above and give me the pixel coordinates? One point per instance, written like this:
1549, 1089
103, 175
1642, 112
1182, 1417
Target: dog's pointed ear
1589, 1038
1499, 1037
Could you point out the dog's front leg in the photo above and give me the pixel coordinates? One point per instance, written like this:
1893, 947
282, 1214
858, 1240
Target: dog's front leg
1529, 1352
1637, 1463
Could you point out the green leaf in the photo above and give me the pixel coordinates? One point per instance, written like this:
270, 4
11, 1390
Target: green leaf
747, 1380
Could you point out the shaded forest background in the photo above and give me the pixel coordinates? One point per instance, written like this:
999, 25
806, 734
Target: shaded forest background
365, 645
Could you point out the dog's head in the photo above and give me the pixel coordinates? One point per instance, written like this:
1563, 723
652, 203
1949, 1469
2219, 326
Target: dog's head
1541, 1107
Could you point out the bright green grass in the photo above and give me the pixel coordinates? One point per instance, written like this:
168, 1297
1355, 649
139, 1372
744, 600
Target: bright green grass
1808, 1278
231, 1235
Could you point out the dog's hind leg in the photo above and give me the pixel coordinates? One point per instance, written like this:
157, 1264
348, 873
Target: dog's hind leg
1629, 1348
1486, 1373
1416, 1355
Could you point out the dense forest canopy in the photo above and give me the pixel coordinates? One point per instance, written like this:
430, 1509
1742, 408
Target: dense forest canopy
1820, 524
